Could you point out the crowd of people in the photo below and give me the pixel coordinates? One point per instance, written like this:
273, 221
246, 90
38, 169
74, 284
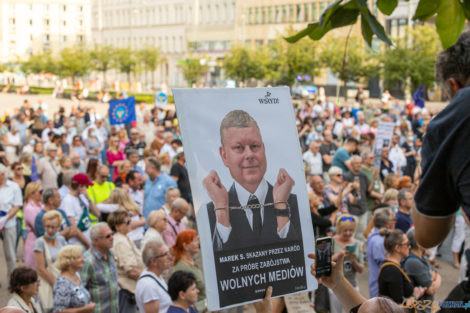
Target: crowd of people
107, 223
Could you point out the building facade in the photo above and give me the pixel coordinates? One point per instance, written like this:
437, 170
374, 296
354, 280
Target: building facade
36, 26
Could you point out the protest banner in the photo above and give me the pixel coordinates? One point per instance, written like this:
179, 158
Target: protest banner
249, 192
382, 139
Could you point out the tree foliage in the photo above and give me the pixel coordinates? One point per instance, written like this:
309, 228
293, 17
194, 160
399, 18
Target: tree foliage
38, 63
193, 69
450, 19
416, 62
74, 62
102, 59
149, 58
243, 63
125, 60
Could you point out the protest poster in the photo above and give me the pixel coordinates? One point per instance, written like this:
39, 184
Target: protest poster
239, 143
382, 139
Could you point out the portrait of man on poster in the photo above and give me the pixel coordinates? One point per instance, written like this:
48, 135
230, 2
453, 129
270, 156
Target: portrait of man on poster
253, 211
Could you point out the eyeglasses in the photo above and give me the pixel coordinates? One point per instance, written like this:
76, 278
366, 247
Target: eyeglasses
405, 244
347, 218
106, 236
161, 255
339, 175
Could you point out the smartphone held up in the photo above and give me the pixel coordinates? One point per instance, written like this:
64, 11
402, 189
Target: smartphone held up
323, 251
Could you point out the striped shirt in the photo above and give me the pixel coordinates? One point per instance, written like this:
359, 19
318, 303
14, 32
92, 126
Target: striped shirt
99, 276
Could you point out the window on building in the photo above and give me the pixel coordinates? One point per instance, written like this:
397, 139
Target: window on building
306, 18
12, 21
270, 14
314, 11
81, 8
299, 13
64, 8
46, 22
291, 13
64, 23
80, 38
31, 22
80, 22
46, 7
277, 15
250, 16
263, 15
64, 38
257, 19
284, 14
322, 6
31, 37
46, 38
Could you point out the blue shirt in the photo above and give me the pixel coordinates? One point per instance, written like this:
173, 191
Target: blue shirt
154, 192
375, 257
404, 221
175, 309
39, 227
341, 156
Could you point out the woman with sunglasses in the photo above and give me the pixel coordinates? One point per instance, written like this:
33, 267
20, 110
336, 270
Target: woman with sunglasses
114, 155
33, 205
333, 188
128, 259
70, 295
24, 287
393, 282
353, 261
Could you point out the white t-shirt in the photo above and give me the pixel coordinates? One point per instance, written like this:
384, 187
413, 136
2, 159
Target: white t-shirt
148, 290
10, 196
71, 205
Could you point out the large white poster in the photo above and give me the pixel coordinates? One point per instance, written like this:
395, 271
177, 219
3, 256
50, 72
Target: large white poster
248, 185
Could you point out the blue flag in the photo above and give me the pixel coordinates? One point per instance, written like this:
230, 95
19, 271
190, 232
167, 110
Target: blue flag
122, 111
418, 96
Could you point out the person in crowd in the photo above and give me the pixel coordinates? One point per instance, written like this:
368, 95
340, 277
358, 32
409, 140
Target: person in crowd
184, 251
179, 209
47, 168
65, 164
168, 146
92, 168
33, 205
92, 145
24, 286
157, 223
406, 203
10, 203
386, 166
156, 185
382, 218
134, 180
128, 259
183, 290
313, 158
114, 156
357, 204
67, 182
77, 163
12, 145
137, 164
78, 148
179, 173
458, 238
171, 194
123, 168
393, 281
343, 154
375, 187
26, 160
344, 240
332, 190
318, 187
123, 139
70, 294
99, 272
151, 292
46, 249
405, 182
165, 162
135, 143
420, 271
121, 198
323, 217
327, 149
101, 188
410, 154
78, 205
18, 176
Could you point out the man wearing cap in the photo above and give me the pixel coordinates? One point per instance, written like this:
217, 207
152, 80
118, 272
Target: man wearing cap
48, 170
78, 205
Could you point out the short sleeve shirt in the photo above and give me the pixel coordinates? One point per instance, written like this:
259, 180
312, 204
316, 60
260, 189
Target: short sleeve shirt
341, 156
10, 196
39, 246
149, 290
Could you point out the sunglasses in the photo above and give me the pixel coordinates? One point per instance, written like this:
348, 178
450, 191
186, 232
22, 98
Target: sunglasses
107, 236
339, 175
347, 218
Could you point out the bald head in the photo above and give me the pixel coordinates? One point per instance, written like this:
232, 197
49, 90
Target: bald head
179, 209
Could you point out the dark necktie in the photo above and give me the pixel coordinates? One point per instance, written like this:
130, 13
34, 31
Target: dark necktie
253, 200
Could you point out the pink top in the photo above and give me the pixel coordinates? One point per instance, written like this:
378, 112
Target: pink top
115, 157
173, 228
30, 211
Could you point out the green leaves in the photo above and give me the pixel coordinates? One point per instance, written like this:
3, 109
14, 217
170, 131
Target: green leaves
450, 22
375, 26
387, 6
426, 9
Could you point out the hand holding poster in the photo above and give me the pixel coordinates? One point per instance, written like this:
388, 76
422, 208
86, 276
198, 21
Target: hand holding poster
249, 192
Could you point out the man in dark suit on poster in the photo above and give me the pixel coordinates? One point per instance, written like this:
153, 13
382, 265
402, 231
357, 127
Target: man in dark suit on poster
253, 212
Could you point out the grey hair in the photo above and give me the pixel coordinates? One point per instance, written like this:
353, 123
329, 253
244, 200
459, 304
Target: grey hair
381, 217
237, 119
402, 194
95, 230
355, 158
335, 170
411, 237
150, 251
178, 204
365, 153
48, 193
68, 176
454, 62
